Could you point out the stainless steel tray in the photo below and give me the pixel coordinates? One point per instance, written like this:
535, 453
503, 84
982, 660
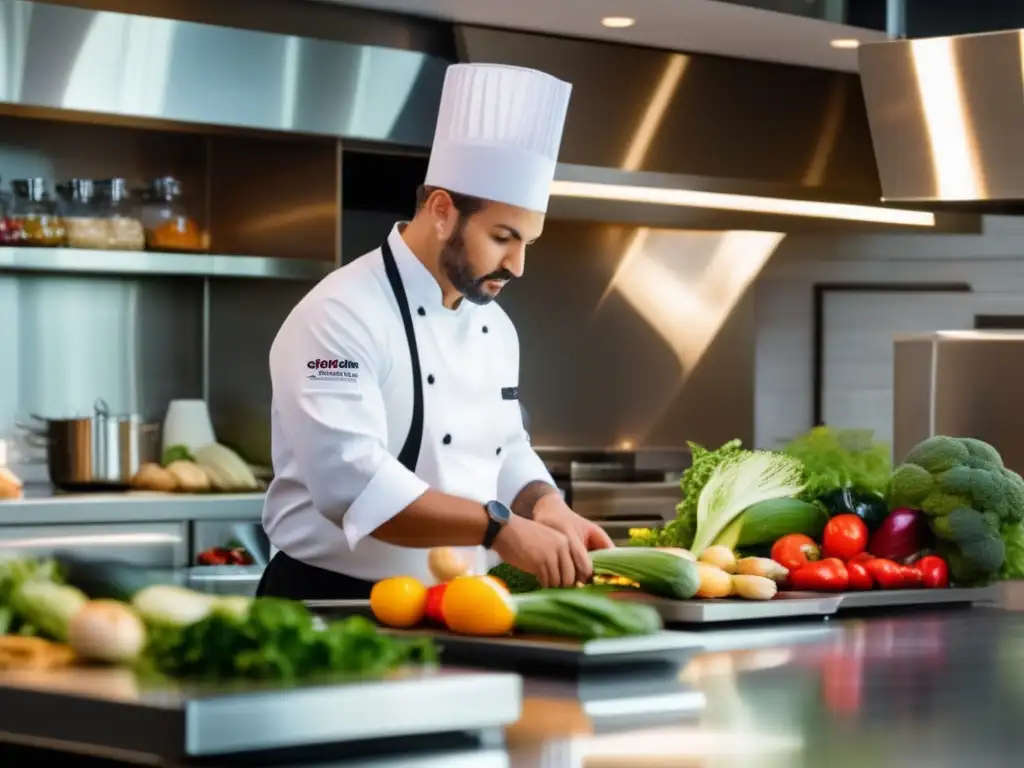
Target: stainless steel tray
794, 605
115, 714
517, 652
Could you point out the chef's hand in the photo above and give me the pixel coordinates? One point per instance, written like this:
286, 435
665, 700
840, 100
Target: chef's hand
552, 512
539, 550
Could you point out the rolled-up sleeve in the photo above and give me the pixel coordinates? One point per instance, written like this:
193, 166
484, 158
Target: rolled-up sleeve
325, 369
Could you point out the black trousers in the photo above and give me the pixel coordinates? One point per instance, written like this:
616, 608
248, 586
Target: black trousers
289, 578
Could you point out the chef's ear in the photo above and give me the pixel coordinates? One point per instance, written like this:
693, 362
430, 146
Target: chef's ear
443, 213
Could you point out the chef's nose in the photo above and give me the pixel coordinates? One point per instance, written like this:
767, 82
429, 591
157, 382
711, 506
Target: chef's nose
516, 261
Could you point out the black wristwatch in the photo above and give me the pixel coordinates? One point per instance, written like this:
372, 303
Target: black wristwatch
498, 515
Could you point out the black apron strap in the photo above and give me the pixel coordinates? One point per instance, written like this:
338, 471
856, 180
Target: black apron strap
410, 453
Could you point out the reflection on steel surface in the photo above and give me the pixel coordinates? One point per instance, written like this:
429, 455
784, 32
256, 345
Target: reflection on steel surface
947, 117
99, 61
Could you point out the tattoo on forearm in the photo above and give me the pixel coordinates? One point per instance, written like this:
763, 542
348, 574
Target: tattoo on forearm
530, 495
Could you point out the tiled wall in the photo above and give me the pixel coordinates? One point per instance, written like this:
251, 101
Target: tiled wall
992, 264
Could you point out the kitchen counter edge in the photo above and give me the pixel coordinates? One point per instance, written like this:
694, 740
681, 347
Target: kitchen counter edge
48, 508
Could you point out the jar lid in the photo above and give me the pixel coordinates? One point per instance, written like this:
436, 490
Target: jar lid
78, 190
33, 189
115, 189
166, 188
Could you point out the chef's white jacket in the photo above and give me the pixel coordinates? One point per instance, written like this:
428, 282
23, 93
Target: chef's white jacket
342, 405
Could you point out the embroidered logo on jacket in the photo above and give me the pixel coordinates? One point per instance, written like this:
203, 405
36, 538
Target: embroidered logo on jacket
333, 370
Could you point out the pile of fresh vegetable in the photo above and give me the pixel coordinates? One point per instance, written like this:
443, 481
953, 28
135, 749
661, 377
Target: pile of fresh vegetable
951, 501
486, 606
211, 468
179, 633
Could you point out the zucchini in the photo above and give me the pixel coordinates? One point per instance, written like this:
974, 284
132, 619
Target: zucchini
657, 573
768, 521
104, 579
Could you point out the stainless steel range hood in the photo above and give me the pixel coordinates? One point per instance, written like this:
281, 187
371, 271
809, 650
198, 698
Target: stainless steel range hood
947, 120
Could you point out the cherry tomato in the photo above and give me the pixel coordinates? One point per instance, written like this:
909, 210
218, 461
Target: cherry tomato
860, 579
886, 573
934, 572
912, 576
795, 550
863, 557
823, 576
845, 537
435, 599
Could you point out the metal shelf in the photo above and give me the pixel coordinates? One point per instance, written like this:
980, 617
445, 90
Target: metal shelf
80, 261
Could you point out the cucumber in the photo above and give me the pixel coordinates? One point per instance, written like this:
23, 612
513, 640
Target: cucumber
657, 573
767, 521
582, 615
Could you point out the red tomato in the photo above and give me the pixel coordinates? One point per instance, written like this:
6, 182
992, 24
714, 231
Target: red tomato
795, 550
934, 572
824, 576
886, 573
912, 576
863, 557
435, 599
860, 579
845, 537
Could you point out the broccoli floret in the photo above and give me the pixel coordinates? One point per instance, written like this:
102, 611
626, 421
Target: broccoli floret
981, 453
938, 454
969, 497
516, 580
908, 486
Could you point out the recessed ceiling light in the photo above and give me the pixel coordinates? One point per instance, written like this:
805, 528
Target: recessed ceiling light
845, 43
618, 22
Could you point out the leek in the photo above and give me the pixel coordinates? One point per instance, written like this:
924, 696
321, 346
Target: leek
741, 482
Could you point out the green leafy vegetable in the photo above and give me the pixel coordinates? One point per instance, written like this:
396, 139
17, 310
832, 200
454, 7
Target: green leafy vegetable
516, 580
974, 504
841, 458
1013, 565
741, 482
176, 453
278, 640
14, 572
680, 531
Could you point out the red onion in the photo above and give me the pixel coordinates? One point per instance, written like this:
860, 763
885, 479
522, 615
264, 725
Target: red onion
902, 534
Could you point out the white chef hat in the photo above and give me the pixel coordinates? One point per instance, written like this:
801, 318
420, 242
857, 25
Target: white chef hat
498, 133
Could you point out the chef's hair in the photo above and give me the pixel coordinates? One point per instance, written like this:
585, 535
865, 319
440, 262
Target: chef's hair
466, 205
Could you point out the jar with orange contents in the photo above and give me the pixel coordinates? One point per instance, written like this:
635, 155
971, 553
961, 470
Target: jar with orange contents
34, 213
168, 224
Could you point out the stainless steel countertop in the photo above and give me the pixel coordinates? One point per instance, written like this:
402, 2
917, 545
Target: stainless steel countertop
44, 506
942, 689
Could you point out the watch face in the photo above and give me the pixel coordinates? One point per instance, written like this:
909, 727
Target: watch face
499, 512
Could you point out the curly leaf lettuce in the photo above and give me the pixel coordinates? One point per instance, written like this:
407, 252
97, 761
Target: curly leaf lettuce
841, 458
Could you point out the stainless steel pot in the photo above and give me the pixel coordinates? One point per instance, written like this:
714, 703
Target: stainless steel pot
97, 452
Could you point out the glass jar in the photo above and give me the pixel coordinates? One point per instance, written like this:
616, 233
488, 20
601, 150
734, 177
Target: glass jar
84, 220
34, 211
169, 227
126, 230
10, 230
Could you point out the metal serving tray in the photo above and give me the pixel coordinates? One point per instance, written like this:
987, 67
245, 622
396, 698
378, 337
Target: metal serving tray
801, 605
516, 652
112, 713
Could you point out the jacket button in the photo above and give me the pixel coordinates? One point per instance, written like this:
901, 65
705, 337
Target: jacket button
430, 378
421, 312
485, 329
498, 452
447, 440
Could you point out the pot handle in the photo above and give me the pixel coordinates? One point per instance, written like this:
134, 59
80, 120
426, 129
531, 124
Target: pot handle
101, 408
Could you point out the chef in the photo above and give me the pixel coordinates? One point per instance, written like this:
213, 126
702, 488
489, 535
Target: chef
396, 421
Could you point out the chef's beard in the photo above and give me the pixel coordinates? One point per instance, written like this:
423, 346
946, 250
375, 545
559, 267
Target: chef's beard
455, 265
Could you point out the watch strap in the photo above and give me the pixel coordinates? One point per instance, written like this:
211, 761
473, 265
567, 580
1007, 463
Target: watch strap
493, 529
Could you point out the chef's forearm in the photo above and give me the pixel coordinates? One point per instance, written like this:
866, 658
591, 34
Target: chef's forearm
528, 497
436, 519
